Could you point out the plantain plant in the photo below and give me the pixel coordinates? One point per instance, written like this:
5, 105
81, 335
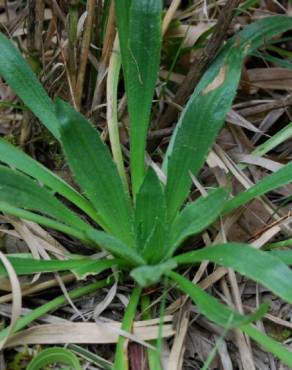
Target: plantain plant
143, 225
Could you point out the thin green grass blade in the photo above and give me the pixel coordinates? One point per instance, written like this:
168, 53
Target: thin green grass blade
29, 266
280, 178
222, 315
196, 217
17, 73
16, 158
91, 357
197, 128
95, 172
141, 69
21, 191
121, 355
257, 265
150, 217
274, 141
51, 356
272, 346
196, 131
212, 308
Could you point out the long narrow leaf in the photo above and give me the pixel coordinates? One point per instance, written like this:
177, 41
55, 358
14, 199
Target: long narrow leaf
16, 158
211, 307
196, 131
222, 315
140, 62
29, 266
95, 172
197, 128
23, 81
280, 178
42, 220
260, 266
122, 8
21, 191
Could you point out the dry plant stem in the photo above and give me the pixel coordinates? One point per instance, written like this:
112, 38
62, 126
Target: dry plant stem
84, 51
72, 41
199, 66
33, 288
169, 15
35, 22
105, 57
16, 298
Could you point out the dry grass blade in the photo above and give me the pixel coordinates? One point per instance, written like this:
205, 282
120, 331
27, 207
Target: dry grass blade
16, 297
85, 333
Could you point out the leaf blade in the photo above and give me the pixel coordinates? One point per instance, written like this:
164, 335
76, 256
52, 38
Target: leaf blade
190, 143
96, 174
211, 307
140, 63
21, 191
20, 77
16, 158
260, 266
197, 216
279, 178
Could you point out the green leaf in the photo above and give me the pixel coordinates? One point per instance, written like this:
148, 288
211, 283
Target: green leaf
23, 81
222, 315
91, 357
81, 267
258, 33
150, 214
141, 69
260, 266
21, 191
196, 216
157, 244
197, 128
121, 355
151, 274
122, 8
16, 158
201, 120
280, 178
274, 347
50, 356
115, 247
42, 220
212, 308
94, 267
94, 170
284, 255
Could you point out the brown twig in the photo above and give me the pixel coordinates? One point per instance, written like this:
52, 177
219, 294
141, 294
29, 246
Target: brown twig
199, 66
84, 51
